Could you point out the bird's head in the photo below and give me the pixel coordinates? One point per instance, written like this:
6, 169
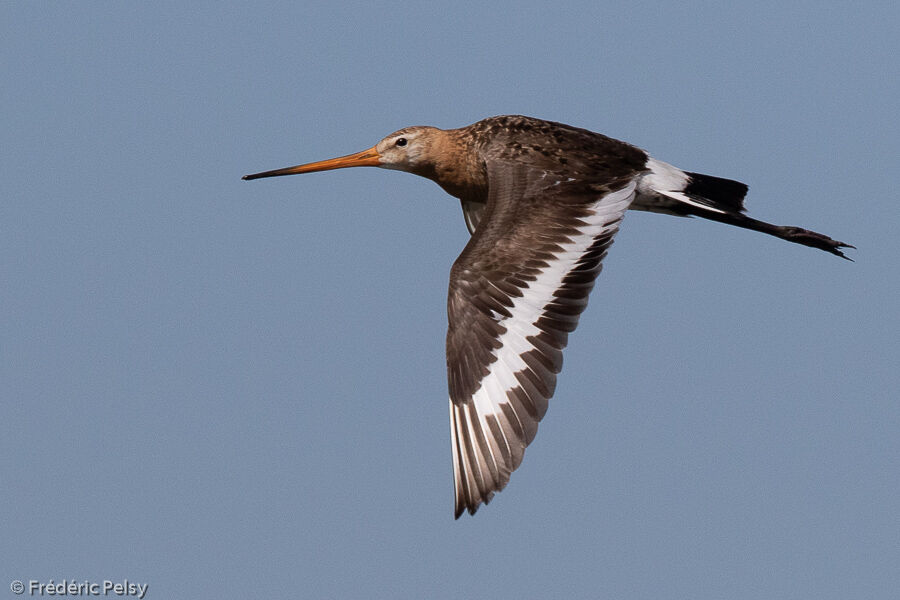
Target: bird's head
410, 149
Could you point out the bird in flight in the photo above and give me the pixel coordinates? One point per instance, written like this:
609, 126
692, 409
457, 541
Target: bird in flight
542, 202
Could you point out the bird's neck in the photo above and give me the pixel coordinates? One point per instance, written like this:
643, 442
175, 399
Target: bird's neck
454, 165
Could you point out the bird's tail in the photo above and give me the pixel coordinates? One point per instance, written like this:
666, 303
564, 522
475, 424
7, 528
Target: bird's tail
670, 190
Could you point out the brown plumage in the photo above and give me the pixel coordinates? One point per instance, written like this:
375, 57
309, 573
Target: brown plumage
543, 201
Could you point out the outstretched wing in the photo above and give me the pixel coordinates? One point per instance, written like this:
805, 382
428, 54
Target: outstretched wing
516, 292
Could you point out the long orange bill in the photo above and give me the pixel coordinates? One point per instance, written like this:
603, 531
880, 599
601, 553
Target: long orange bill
366, 158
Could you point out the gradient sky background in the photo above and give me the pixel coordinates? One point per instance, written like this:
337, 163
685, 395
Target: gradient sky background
237, 389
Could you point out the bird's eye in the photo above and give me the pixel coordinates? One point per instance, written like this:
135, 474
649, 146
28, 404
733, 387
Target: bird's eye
400, 142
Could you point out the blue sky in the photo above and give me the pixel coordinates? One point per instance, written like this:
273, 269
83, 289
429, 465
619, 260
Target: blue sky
237, 389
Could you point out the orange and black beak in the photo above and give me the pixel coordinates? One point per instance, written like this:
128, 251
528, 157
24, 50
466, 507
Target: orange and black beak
366, 158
